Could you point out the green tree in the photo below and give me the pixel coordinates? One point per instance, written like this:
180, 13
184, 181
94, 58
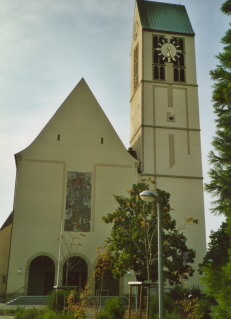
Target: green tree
133, 241
217, 254
220, 158
217, 278
216, 267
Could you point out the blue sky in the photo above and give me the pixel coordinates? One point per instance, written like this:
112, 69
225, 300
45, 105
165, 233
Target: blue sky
47, 46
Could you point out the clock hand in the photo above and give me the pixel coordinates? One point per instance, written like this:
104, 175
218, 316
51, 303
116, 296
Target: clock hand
169, 53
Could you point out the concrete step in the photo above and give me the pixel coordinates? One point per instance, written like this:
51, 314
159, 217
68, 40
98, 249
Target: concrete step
29, 300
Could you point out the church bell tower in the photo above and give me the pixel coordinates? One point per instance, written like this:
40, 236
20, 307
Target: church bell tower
165, 128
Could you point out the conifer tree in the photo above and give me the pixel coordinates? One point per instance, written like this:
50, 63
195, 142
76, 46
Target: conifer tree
220, 158
217, 275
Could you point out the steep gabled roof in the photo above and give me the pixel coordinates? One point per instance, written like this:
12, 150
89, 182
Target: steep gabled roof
8, 221
79, 130
161, 16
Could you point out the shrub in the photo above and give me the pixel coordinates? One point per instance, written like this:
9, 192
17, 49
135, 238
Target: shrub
171, 315
114, 308
204, 306
22, 313
61, 302
7, 312
196, 292
169, 304
102, 315
19, 313
50, 314
178, 292
33, 313
167, 315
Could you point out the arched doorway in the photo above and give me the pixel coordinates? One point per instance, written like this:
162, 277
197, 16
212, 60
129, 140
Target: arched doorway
104, 280
41, 276
75, 272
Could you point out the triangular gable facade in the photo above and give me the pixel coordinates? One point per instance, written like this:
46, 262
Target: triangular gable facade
66, 179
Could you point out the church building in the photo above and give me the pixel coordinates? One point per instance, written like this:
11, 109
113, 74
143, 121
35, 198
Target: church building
67, 176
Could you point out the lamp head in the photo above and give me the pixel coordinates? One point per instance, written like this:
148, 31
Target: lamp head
148, 196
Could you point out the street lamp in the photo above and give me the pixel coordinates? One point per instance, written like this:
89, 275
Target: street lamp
149, 196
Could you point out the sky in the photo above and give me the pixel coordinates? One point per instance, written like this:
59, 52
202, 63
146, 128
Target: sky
47, 46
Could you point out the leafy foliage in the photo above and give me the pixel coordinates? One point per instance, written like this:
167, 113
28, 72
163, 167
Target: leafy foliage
101, 315
103, 264
179, 292
220, 159
167, 315
57, 299
114, 308
133, 241
191, 308
218, 285
169, 304
217, 254
34, 313
217, 264
78, 306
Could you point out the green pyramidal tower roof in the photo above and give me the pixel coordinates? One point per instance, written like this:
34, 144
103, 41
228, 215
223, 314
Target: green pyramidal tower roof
166, 17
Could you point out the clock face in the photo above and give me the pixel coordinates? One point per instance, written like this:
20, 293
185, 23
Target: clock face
168, 50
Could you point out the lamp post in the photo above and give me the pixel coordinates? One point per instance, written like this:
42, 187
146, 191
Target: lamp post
149, 196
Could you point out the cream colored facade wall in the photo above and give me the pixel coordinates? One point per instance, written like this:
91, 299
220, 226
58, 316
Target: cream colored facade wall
87, 143
187, 201
4, 256
167, 140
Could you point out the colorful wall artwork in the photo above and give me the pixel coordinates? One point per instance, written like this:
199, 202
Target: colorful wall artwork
78, 202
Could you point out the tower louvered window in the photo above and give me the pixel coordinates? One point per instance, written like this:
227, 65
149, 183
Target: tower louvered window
157, 63
179, 65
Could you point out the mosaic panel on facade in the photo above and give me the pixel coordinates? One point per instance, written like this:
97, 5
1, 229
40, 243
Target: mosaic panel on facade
78, 202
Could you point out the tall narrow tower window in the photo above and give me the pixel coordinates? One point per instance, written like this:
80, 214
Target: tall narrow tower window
158, 63
179, 65
136, 66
